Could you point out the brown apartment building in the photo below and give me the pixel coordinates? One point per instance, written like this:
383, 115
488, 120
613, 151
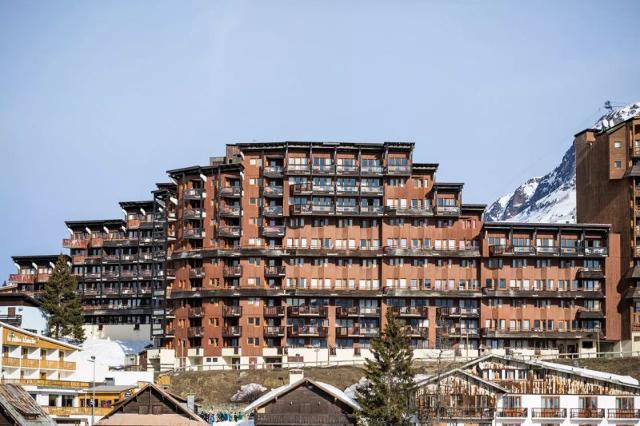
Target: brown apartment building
294, 251
608, 191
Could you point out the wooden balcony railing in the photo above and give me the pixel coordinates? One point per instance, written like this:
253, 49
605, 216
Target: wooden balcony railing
512, 412
618, 413
47, 382
549, 413
76, 411
587, 413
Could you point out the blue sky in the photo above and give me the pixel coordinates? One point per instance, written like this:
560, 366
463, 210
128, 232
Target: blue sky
98, 99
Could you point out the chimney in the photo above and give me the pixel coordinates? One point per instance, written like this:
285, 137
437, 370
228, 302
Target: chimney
295, 375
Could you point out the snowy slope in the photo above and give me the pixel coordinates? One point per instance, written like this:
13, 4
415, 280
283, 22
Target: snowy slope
552, 197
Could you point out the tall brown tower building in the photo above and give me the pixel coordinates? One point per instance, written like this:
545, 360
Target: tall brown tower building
608, 191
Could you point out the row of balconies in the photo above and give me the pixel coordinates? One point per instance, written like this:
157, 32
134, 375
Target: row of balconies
116, 291
113, 258
44, 364
575, 413
297, 169
144, 273
28, 278
357, 331
487, 331
308, 188
310, 209
105, 241
547, 250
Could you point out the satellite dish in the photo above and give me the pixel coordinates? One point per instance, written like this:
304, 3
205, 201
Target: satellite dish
605, 122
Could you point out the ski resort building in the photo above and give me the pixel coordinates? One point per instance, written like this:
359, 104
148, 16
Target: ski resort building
608, 191
501, 391
294, 251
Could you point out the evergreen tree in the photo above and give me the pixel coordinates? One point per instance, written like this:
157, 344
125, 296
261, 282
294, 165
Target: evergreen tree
62, 303
386, 397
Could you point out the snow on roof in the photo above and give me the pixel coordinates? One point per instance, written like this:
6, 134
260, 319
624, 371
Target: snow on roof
274, 393
591, 373
583, 372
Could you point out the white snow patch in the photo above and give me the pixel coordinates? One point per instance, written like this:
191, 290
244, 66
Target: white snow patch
248, 393
111, 353
617, 116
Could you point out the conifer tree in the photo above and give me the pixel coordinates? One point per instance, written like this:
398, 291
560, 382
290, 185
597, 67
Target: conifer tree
61, 302
386, 397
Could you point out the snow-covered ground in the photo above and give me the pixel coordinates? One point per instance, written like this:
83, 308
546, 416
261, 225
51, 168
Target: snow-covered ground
112, 353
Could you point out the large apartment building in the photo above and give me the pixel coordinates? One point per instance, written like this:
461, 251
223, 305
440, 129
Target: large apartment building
294, 251
608, 191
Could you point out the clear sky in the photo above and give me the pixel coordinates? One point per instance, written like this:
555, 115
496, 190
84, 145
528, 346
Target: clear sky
98, 99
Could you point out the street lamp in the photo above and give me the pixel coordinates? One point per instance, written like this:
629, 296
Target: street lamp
93, 390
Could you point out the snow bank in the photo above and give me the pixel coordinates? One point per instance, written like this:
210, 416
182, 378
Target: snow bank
249, 393
112, 353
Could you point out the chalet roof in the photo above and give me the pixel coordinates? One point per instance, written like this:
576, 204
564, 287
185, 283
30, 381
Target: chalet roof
461, 372
277, 392
39, 336
626, 381
18, 299
18, 405
181, 416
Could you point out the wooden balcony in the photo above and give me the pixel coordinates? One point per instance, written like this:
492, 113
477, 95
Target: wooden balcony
617, 413
47, 383
22, 278
76, 411
519, 413
549, 413
75, 243
587, 413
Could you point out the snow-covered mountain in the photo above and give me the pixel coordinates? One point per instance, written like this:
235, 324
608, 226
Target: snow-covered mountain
552, 197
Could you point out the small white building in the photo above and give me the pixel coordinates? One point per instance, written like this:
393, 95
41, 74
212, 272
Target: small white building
498, 390
23, 311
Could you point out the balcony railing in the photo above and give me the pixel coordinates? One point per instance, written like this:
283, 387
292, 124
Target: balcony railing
375, 190
22, 278
298, 169
274, 271
232, 311
274, 311
229, 231
371, 209
195, 331
371, 170
47, 383
512, 412
232, 331
297, 419
273, 331
273, 191
273, 231
357, 311
447, 210
193, 193
193, 233
323, 189
232, 271
549, 413
196, 312
231, 211
399, 170
76, 411
323, 168
230, 191
192, 213
346, 209
459, 413
422, 332
273, 171
414, 311
343, 169
587, 413
620, 413
272, 211
346, 190
307, 330
305, 310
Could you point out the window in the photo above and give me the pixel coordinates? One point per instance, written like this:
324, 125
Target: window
617, 144
618, 164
